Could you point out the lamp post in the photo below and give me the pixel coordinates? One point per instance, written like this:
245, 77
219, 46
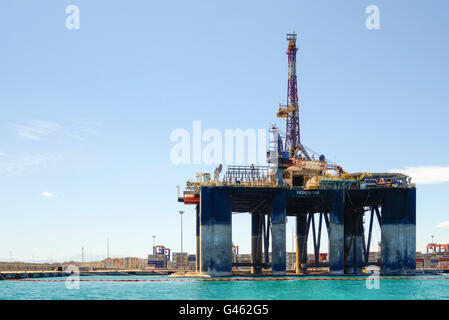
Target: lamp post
107, 260
182, 249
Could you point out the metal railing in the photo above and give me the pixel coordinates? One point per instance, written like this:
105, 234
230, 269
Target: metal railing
247, 175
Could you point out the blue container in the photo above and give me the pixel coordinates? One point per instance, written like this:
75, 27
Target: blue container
433, 260
157, 264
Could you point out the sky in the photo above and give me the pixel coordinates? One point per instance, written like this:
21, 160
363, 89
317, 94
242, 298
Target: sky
87, 114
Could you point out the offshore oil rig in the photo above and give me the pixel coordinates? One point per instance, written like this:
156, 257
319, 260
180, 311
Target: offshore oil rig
295, 183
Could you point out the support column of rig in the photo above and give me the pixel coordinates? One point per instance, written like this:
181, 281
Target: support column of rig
301, 243
215, 232
256, 242
353, 244
278, 228
336, 233
398, 232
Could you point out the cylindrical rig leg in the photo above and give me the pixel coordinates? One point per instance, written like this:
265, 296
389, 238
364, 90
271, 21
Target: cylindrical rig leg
336, 233
410, 228
278, 242
353, 222
398, 232
256, 242
301, 242
215, 232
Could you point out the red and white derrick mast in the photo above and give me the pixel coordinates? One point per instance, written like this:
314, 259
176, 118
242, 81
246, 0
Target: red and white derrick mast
291, 110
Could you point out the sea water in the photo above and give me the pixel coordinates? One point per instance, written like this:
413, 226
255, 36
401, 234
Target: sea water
415, 288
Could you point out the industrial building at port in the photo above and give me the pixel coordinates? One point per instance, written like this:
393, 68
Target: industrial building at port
163, 261
436, 258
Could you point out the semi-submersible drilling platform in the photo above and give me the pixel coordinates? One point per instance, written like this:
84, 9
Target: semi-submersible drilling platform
296, 184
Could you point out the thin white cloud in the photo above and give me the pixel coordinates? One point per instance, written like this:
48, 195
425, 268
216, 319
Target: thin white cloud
444, 224
47, 194
16, 165
35, 129
81, 129
89, 124
89, 131
426, 174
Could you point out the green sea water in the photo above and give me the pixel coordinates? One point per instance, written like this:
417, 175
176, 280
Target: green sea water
389, 289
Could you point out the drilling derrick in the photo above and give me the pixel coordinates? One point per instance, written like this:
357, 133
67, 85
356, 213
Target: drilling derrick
293, 135
291, 111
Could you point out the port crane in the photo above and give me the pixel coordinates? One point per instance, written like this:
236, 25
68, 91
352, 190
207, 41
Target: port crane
437, 247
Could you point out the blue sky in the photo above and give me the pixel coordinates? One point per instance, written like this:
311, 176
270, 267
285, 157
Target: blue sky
87, 114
